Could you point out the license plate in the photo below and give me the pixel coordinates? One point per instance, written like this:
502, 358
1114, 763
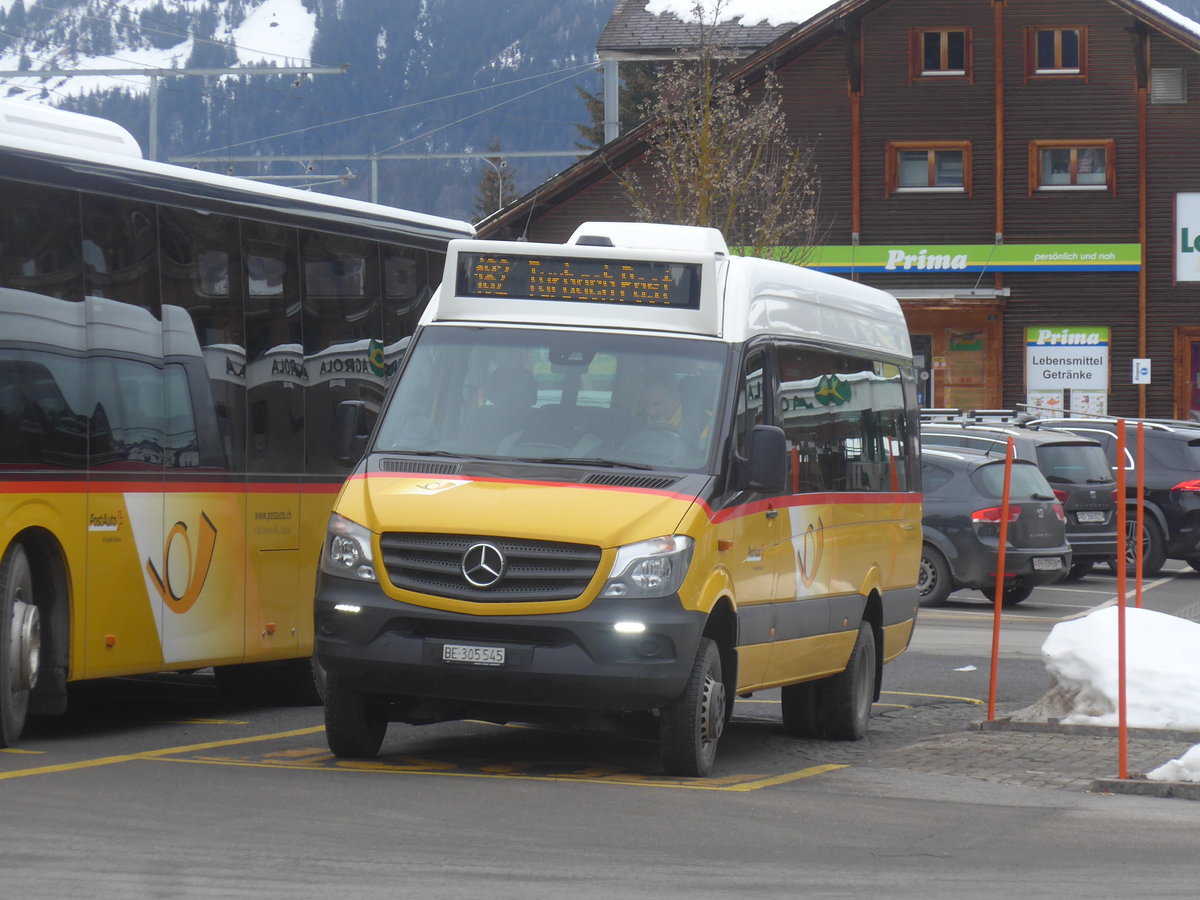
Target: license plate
1047, 563
476, 656
1091, 516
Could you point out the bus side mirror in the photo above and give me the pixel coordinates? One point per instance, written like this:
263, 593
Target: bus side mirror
349, 432
766, 469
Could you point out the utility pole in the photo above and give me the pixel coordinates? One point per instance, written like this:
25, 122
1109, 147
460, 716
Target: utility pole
155, 74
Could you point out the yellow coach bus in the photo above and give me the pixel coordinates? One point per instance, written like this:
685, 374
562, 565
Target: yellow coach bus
173, 346
631, 476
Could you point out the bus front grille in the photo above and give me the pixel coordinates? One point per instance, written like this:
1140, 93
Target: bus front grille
463, 566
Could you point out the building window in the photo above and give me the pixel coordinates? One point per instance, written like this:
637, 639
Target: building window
1057, 51
1168, 85
938, 53
914, 166
1072, 165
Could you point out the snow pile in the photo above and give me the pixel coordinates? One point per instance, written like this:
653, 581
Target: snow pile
752, 12
1162, 677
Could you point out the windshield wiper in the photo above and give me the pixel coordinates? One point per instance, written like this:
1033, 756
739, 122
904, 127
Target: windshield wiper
449, 453
585, 461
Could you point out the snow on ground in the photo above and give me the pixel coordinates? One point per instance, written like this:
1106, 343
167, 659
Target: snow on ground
279, 31
753, 12
276, 31
1162, 676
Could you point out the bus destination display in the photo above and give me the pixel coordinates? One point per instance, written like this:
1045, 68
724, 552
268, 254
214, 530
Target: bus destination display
581, 280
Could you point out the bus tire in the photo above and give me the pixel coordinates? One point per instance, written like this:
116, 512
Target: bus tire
351, 727
691, 724
845, 699
20, 643
798, 704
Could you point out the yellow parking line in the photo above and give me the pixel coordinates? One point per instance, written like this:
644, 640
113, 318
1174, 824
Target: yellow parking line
153, 754
19, 750
783, 779
933, 696
727, 783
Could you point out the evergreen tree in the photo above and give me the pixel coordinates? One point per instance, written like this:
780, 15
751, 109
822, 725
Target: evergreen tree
638, 91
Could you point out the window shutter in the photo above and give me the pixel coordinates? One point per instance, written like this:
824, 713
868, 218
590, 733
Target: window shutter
1168, 85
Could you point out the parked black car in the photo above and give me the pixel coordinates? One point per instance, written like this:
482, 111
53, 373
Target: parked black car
963, 492
1076, 467
1171, 521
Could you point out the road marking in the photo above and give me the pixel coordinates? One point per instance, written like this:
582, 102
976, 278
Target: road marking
933, 696
588, 774
784, 779
19, 750
153, 754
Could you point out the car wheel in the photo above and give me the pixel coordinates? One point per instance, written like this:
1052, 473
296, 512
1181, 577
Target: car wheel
1080, 570
1154, 549
352, 728
933, 577
1014, 593
844, 701
691, 724
20, 643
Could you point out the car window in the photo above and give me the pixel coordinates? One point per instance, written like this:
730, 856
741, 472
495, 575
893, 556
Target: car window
1027, 482
934, 477
1074, 464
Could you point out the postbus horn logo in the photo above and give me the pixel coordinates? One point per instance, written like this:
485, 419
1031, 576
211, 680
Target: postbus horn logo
197, 565
808, 557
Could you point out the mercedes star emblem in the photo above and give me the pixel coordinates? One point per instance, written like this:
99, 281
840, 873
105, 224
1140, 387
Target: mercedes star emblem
483, 564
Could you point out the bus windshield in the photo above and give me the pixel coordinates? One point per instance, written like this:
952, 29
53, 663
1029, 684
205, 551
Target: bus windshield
597, 398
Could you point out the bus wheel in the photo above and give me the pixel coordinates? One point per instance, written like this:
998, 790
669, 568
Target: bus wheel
351, 728
691, 724
846, 698
20, 643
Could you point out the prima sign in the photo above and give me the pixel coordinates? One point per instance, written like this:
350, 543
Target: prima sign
923, 260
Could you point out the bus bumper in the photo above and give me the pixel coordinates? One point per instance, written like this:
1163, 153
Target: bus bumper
568, 661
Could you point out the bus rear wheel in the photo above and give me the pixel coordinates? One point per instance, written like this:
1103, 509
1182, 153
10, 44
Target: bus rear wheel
20, 643
846, 698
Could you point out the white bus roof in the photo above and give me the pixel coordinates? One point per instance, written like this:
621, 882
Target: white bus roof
668, 278
66, 135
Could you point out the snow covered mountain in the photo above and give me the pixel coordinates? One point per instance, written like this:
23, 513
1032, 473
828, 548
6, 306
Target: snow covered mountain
422, 77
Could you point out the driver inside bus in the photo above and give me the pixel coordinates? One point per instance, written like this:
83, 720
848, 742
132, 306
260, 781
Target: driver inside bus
661, 404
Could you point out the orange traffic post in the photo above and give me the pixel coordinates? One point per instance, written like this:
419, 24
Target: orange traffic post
1122, 547
1139, 560
1004, 500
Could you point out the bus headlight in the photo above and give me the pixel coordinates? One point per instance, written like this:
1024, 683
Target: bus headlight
653, 568
347, 552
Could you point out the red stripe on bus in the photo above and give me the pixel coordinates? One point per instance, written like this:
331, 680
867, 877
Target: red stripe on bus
846, 498
624, 488
146, 487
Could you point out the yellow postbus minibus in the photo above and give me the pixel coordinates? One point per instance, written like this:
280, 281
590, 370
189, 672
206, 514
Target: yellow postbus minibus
173, 347
633, 476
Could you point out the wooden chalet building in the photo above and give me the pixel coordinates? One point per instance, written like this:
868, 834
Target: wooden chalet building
1023, 174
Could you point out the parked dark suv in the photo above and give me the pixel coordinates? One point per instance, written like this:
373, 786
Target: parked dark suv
1171, 528
963, 491
1076, 467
